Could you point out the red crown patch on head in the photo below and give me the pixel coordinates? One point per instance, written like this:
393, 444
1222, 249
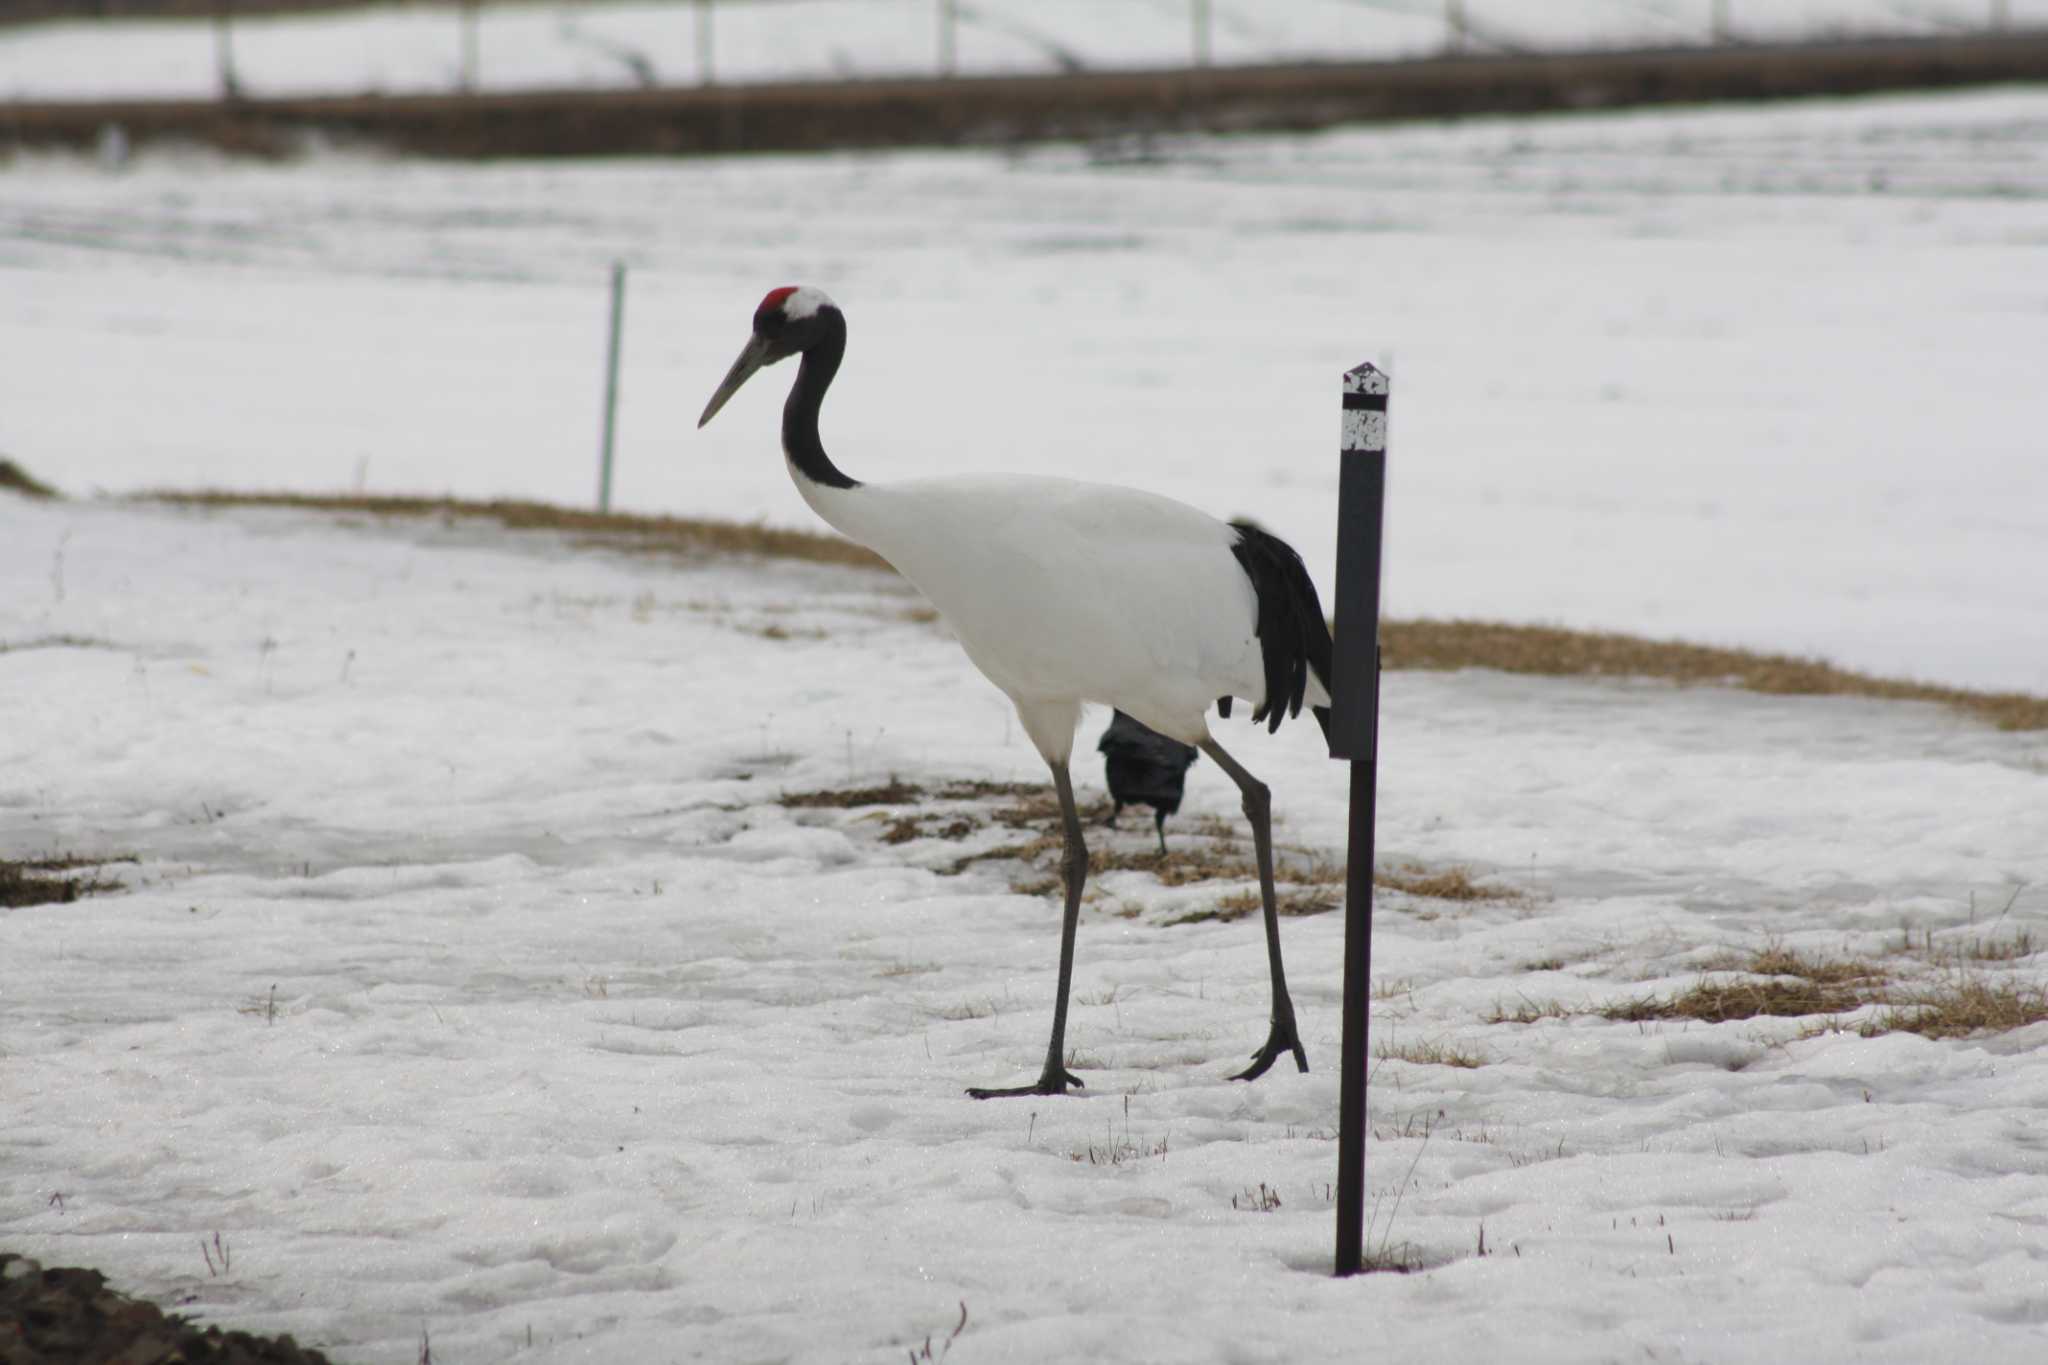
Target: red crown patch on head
775, 298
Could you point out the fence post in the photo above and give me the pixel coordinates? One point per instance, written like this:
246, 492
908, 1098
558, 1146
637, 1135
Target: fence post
704, 70
468, 21
224, 49
611, 387
1354, 736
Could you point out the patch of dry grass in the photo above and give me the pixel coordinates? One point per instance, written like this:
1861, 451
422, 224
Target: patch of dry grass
1788, 984
1961, 1007
1416, 644
52, 642
1718, 1001
1778, 982
1447, 884
1773, 981
688, 537
1527, 1011
1430, 1052
15, 479
1777, 960
1207, 850
56, 880
1557, 652
894, 792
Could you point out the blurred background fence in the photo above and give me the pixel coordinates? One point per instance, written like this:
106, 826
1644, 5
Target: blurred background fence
248, 47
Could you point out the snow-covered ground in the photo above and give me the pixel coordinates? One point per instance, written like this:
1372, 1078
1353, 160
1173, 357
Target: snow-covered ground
415, 47
1768, 377
477, 982
477, 985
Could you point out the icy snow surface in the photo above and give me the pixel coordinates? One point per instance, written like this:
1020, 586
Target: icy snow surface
475, 983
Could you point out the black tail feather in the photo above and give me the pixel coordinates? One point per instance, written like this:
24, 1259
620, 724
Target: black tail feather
1294, 638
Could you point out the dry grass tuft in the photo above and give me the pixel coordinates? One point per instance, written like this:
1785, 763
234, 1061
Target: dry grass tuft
894, 792
15, 479
1431, 1052
1778, 960
1775, 981
1450, 884
1778, 982
1206, 851
1527, 1011
1577, 653
1311, 900
55, 880
1961, 1008
1715, 1002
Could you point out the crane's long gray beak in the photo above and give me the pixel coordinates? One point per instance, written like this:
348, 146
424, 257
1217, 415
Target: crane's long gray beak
753, 357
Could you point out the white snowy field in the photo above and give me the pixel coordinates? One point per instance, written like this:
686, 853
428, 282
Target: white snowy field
584, 1045
414, 47
1767, 377
476, 986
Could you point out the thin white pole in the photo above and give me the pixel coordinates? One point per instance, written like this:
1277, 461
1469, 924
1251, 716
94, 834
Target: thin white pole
705, 75
611, 387
469, 63
949, 48
224, 50
1200, 14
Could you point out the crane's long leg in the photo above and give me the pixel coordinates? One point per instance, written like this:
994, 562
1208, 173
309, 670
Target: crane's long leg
1055, 1079
1258, 808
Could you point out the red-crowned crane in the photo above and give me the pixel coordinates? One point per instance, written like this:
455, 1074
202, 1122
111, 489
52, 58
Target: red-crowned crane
1063, 593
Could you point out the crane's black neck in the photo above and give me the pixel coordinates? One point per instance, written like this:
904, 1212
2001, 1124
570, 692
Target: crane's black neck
800, 413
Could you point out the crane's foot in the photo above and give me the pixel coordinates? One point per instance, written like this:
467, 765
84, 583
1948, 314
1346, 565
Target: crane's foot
1281, 1039
1054, 1082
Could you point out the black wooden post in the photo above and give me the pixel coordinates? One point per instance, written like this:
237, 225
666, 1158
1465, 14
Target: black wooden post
1354, 736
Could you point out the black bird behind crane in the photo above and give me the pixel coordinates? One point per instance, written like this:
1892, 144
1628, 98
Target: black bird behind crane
1145, 768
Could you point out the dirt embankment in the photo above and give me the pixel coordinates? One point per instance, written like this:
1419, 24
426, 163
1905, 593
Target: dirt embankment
1006, 109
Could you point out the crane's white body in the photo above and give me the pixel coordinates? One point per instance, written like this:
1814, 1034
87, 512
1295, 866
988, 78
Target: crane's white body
1064, 592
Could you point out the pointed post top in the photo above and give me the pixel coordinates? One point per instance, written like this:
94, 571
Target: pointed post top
1365, 410
1366, 378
